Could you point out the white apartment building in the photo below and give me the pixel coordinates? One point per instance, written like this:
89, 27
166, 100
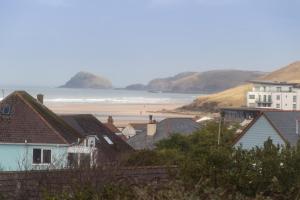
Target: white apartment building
274, 95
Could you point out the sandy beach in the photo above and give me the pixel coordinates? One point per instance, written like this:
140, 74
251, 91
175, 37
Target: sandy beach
122, 113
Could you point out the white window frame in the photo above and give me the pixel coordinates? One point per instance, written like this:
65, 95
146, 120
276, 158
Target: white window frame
42, 157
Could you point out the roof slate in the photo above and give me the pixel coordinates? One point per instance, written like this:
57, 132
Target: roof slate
33, 122
139, 126
285, 123
165, 129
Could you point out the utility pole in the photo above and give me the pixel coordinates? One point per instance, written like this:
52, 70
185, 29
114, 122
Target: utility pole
3, 93
222, 115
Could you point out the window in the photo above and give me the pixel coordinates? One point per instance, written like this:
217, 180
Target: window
294, 106
278, 105
108, 140
40, 156
47, 156
265, 98
251, 96
294, 99
277, 97
278, 89
269, 98
6, 110
37, 156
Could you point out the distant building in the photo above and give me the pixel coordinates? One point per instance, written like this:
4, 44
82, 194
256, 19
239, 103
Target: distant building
274, 95
33, 137
156, 131
282, 127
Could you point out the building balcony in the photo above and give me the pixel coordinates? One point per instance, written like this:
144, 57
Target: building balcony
263, 101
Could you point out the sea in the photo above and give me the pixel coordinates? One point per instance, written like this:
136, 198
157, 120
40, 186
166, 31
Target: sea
61, 96
110, 96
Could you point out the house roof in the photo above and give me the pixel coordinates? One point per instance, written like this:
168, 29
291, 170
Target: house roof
112, 127
31, 121
87, 124
139, 126
165, 129
284, 122
272, 82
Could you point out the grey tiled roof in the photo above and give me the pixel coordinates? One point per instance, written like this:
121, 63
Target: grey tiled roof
169, 126
285, 123
165, 129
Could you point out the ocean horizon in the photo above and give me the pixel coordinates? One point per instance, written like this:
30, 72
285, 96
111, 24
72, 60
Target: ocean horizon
103, 96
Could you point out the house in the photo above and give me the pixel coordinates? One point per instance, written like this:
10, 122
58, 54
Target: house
156, 131
33, 137
111, 126
109, 147
282, 127
274, 95
133, 129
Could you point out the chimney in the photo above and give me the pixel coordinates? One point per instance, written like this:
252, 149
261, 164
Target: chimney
151, 126
40, 98
110, 120
150, 119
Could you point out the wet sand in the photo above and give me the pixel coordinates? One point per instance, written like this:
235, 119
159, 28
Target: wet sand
122, 113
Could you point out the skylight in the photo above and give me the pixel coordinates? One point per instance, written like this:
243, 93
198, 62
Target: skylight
107, 140
6, 110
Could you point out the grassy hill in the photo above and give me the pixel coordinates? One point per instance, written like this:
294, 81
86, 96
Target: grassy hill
235, 97
202, 82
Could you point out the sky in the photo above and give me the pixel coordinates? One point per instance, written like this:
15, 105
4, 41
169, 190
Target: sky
45, 42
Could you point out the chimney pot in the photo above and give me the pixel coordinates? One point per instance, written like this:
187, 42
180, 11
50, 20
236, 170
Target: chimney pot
40, 98
150, 119
110, 120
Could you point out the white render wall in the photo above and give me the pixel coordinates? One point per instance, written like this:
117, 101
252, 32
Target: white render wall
285, 102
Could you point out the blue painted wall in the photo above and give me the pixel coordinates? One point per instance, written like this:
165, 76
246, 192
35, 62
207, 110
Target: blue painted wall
260, 131
16, 157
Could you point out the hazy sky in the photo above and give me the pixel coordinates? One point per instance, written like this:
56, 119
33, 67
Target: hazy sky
45, 42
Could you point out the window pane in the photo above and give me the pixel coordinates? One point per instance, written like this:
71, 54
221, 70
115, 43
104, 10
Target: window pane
36, 156
46, 156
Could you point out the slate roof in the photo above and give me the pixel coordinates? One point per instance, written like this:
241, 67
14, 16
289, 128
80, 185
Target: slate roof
87, 124
32, 121
169, 126
140, 127
284, 122
165, 129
